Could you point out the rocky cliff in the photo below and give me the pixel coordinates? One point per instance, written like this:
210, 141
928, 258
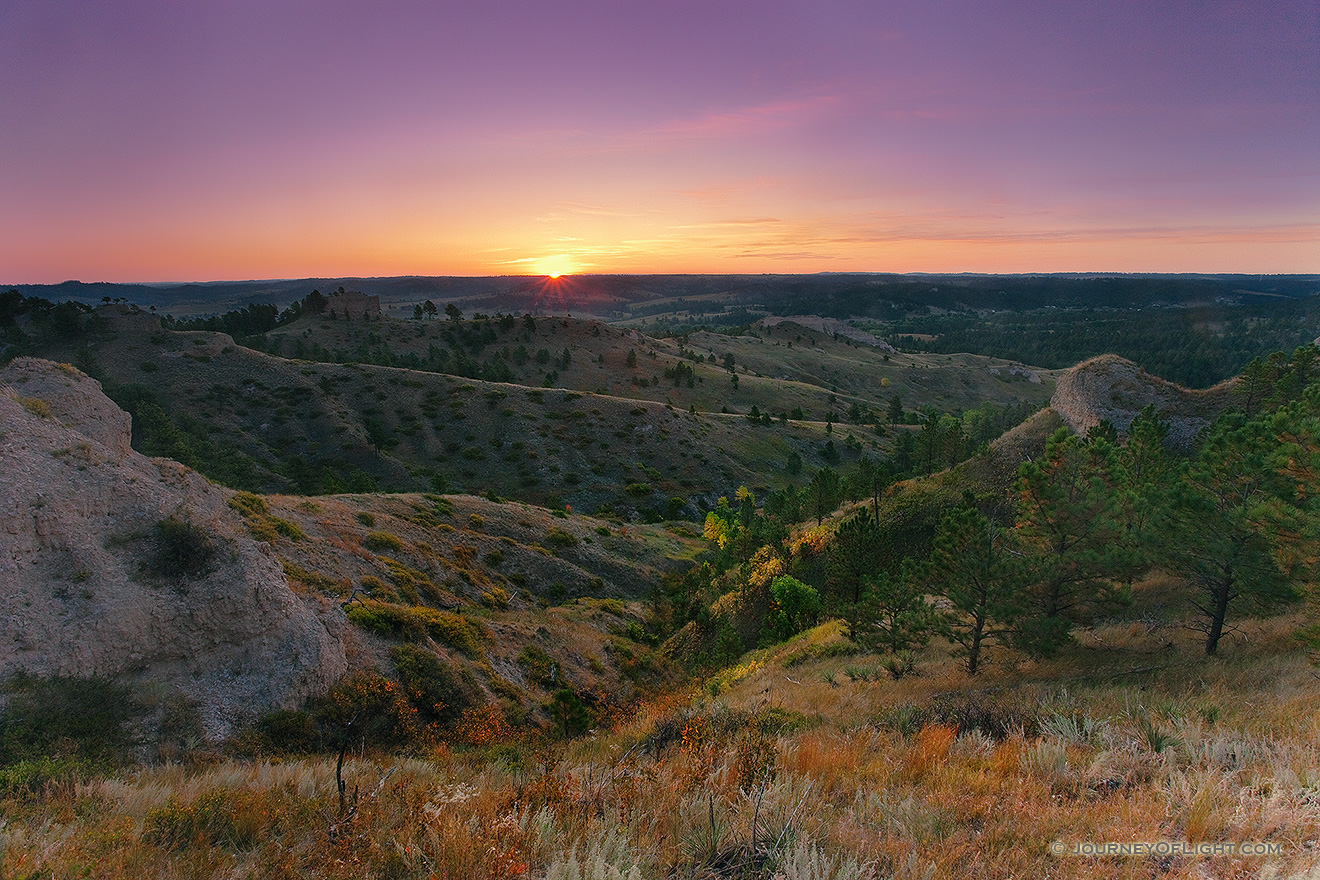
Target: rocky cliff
113, 564
1116, 390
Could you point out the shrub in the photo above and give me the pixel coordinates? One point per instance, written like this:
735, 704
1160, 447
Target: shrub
560, 539
34, 776
440, 507
378, 589
366, 519
496, 598
377, 541
409, 581
36, 406
288, 732
249, 504
998, 715
314, 580
494, 557
638, 490
368, 705
288, 529
476, 522
795, 607
181, 550
415, 624
60, 724
437, 689
541, 668
637, 633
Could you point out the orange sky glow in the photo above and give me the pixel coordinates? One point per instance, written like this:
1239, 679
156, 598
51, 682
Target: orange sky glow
229, 143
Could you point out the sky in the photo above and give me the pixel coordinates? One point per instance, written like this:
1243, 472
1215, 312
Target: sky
168, 141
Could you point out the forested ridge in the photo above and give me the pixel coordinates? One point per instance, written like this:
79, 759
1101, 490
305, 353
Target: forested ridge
1194, 346
1234, 519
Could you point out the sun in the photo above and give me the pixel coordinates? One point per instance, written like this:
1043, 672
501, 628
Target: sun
555, 266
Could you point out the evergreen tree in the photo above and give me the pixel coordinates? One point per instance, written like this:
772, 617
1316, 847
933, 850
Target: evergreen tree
1145, 474
824, 492
855, 554
902, 457
1219, 522
930, 440
970, 567
1070, 529
870, 479
893, 614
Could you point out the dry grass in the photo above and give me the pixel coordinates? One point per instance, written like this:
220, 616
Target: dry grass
741, 786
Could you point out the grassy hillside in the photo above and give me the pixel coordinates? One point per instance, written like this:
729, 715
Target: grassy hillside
635, 440
506, 578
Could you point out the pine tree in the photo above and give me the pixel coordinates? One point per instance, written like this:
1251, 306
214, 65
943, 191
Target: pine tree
930, 440
1070, 530
893, 614
1219, 522
1145, 474
871, 478
895, 409
824, 492
970, 567
855, 554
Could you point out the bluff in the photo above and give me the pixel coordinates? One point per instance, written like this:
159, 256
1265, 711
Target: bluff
1115, 390
113, 564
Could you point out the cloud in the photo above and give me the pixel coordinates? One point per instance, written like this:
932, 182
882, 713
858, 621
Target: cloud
722, 224
744, 121
713, 128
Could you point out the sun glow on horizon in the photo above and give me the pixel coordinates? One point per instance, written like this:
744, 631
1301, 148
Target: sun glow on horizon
555, 266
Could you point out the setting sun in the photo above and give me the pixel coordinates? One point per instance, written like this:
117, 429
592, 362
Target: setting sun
555, 266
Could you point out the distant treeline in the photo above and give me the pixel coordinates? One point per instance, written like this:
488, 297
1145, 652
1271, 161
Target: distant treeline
1196, 347
847, 297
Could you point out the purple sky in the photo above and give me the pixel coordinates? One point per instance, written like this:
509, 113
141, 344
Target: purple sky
207, 140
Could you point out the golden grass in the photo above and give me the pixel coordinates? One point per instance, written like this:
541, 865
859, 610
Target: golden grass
1206, 750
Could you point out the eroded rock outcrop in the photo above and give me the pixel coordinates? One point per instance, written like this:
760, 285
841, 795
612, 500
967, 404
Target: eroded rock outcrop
1116, 390
91, 585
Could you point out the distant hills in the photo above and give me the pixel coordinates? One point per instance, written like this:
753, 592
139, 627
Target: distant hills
698, 297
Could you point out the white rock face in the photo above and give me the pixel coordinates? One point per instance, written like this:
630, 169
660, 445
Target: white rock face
1116, 390
78, 596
